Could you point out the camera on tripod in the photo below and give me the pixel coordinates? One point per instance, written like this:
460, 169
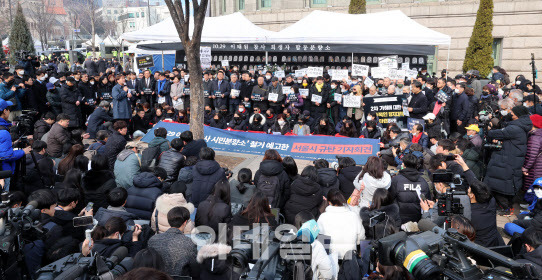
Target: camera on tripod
448, 205
444, 254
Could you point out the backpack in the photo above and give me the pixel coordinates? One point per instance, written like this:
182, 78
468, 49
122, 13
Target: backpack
92, 152
269, 186
351, 267
149, 156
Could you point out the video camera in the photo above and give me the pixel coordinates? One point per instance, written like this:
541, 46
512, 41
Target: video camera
77, 266
444, 254
24, 124
448, 205
278, 255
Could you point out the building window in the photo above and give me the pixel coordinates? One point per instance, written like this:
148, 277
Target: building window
497, 51
137, 15
318, 3
142, 14
132, 24
265, 4
223, 6
241, 5
108, 12
115, 12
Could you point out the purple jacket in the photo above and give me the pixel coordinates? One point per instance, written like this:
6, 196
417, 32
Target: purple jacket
298, 104
533, 158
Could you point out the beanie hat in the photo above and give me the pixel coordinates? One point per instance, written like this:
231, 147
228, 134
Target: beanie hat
537, 120
520, 111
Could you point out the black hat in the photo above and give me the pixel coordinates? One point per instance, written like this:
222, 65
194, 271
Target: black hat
274, 79
306, 113
70, 79
223, 107
520, 111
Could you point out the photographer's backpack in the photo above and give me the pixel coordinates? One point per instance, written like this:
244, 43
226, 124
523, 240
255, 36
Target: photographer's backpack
149, 157
269, 186
351, 267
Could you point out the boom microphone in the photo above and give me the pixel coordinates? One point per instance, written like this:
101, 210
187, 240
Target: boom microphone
117, 256
426, 225
120, 269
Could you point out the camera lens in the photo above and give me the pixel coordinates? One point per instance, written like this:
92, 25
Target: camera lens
415, 261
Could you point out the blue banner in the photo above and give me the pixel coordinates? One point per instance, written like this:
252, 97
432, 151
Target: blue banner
298, 147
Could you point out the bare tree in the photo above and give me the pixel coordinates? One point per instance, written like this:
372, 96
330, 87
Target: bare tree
84, 15
42, 15
191, 45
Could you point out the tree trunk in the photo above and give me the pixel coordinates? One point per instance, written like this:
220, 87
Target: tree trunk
196, 92
93, 30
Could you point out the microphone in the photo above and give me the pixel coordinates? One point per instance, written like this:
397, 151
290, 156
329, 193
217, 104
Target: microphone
116, 257
426, 225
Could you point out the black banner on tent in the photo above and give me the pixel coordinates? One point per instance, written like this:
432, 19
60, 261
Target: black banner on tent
144, 61
302, 48
389, 109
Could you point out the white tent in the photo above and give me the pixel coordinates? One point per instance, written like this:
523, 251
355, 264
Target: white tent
111, 42
233, 28
97, 41
384, 28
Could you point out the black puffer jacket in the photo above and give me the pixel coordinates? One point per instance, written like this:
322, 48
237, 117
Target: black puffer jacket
172, 161
392, 214
96, 185
306, 195
70, 96
114, 145
484, 220
403, 191
142, 197
209, 216
274, 168
504, 174
346, 179
40, 128
205, 175
327, 178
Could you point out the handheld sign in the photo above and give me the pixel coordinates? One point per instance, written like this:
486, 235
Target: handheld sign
273, 97
225, 63
304, 92
314, 72
145, 61
235, 93
279, 74
339, 75
316, 98
352, 101
360, 70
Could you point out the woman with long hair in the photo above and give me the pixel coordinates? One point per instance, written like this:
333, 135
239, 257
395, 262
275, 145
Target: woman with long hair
271, 168
381, 202
305, 195
290, 166
108, 238
257, 212
69, 161
349, 130
216, 208
372, 177
242, 189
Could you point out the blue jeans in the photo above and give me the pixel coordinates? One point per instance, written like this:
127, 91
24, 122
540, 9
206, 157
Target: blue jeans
6, 184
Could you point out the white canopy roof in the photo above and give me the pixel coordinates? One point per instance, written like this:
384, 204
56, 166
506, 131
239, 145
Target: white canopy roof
97, 41
391, 27
233, 28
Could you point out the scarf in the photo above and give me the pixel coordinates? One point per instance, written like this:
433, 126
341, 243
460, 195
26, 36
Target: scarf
437, 108
416, 139
319, 87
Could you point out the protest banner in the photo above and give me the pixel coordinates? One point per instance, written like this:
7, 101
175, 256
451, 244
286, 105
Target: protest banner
352, 101
339, 75
387, 108
368, 82
412, 121
300, 73
389, 62
313, 72
411, 74
298, 147
205, 57
360, 70
145, 61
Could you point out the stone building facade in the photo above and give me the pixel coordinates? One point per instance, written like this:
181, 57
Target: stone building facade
517, 30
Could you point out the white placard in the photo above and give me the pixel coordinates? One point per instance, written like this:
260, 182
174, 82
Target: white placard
186, 77
273, 97
405, 66
339, 75
316, 98
280, 74
337, 97
286, 90
161, 99
400, 74
389, 62
314, 72
411, 74
235, 92
225, 63
360, 70
379, 72
300, 73
331, 72
352, 101
205, 57
304, 92
177, 103
368, 82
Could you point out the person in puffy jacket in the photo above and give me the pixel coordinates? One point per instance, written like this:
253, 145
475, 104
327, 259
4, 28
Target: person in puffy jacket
205, 174
166, 202
58, 136
116, 199
532, 167
160, 139
215, 209
348, 171
142, 196
97, 182
116, 142
381, 203
327, 177
172, 160
271, 168
372, 177
212, 263
127, 165
305, 195
403, 189
42, 126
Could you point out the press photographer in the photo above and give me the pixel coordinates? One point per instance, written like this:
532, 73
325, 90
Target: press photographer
8, 156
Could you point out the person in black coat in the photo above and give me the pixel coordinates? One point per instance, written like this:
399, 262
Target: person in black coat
205, 175
271, 167
191, 147
417, 107
382, 203
215, 209
220, 91
43, 125
88, 92
347, 174
146, 88
114, 234
324, 127
139, 122
142, 196
218, 121
327, 177
483, 213
97, 182
403, 189
172, 160
71, 102
68, 199
116, 142
318, 89
101, 66
504, 175
305, 195
459, 114
238, 122
98, 118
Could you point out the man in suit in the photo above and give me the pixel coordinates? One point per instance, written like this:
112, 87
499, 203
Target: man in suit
146, 88
132, 83
101, 65
220, 91
162, 88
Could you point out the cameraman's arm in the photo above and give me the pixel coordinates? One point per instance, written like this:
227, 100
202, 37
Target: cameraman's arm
504, 133
469, 175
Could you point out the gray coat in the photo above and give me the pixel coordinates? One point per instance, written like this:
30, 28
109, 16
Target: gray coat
237, 196
177, 250
121, 104
127, 165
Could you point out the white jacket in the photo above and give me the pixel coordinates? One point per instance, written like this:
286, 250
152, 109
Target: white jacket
343, 226
371, 184
323, 265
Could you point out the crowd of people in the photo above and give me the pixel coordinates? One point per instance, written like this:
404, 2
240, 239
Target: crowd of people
150, 198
